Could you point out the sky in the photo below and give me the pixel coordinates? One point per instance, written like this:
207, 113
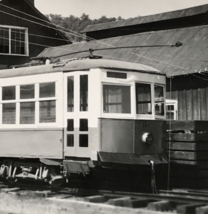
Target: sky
113, 8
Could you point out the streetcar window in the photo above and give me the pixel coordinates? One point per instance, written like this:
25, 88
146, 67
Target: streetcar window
116, 99
143, 98
159, 100
9, 113
83, 92
83, 140
70, 94
47, 89
27, 113
117, 75
70, 140
83, 125
27, 91
47, 111
70, 125
8, 93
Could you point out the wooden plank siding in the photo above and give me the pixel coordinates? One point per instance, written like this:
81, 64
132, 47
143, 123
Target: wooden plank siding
192, 103
188, 148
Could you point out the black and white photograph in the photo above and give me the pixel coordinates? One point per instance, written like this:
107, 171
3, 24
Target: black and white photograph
103, 106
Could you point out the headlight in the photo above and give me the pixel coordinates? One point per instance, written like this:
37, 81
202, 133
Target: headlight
147, 138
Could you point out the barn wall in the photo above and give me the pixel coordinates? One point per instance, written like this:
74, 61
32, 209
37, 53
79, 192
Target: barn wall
192, 95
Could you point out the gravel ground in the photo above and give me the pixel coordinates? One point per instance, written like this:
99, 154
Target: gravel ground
33, 204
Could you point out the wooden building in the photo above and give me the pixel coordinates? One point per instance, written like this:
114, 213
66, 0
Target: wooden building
25, 32
186, 66
189, 17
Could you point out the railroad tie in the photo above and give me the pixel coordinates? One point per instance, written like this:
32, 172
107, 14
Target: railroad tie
96, 199
202, 210
160, 206
188, 208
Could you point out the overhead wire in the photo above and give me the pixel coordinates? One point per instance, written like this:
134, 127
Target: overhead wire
80, 35
48, 22
91, 39
35, 22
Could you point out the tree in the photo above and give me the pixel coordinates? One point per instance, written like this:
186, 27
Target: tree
74, 26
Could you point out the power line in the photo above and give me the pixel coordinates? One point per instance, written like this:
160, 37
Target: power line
65, 30
53, 28
80, 35
32, 21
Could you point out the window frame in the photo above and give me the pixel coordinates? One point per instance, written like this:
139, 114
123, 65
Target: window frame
118, 115
175, 111
151, 99
145, 116
153, 115
26, 40
164, 101
36, 100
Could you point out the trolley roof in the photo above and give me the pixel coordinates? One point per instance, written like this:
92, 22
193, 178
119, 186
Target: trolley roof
79, 65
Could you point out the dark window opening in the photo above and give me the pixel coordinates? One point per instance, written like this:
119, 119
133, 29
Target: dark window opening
70, 140
83, 92
83, 124
47, 89
17, 41
159, 100
47, 111
143, 98
170, 107
27, 113
70, 94
70, 125
13, 41
170, 116
27, 91
83, 140
117, 75
116, 99
9, 113
8, 93
4, 40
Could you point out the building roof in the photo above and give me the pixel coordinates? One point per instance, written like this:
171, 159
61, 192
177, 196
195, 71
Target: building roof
191, 57
148, 19
77, 65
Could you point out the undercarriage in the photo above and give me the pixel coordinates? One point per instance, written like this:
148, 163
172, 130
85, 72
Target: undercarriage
14, 170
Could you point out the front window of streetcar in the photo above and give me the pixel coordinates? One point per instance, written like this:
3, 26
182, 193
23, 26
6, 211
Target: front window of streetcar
116, 99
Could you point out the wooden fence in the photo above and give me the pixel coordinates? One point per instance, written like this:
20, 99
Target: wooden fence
187, 146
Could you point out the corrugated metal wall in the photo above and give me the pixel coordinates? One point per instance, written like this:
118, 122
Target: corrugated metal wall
192, 103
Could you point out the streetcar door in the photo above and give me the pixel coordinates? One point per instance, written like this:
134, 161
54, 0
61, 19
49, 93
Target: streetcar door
76, 117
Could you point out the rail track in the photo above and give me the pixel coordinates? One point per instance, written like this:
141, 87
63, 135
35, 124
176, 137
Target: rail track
174, 201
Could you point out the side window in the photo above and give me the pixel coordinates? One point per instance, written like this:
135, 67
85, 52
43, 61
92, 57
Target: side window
47, 108
70, 94
9, 93
47, 90
9, 109
116, 99
9, 113
23, 108
159, 100
27, 109
143, 98
83, 92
